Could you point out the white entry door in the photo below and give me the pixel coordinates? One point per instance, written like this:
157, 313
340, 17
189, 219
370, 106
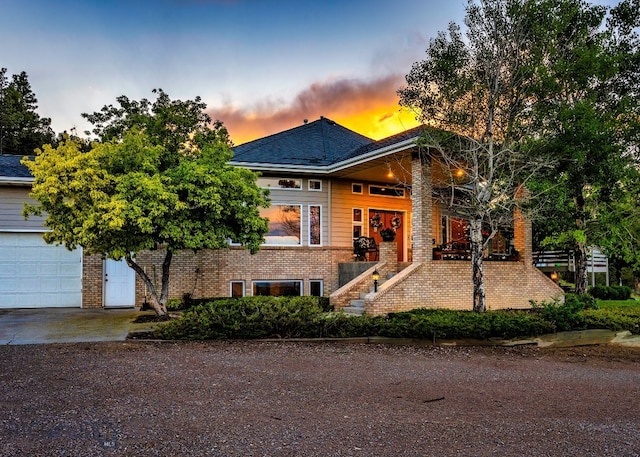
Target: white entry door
119, 284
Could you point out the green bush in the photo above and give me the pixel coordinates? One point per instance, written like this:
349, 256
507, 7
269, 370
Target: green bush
187, 302
568, 315
447, 324
264, 317
611, 292
306, 317
613, 319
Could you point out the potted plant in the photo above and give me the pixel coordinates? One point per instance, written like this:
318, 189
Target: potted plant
388, 234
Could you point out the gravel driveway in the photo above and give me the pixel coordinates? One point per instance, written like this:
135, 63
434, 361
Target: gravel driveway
294, 399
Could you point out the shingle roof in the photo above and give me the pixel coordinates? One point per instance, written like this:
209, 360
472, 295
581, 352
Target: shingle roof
394, 139
320, 142
10, 166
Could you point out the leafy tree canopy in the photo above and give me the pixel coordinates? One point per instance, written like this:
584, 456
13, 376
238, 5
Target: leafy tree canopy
585, 106
158, 178
22, 130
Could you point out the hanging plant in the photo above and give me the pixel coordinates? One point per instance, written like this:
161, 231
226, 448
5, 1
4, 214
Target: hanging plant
375, 222
388, 234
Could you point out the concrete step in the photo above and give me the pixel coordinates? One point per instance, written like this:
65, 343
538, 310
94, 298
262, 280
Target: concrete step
353, 311
355, 308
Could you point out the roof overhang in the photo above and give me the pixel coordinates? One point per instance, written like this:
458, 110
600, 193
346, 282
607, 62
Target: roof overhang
15, 181
371, 159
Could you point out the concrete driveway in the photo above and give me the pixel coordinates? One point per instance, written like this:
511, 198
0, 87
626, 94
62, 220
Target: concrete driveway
66, 325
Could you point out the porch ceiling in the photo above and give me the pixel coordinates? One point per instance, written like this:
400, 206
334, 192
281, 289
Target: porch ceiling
390, 170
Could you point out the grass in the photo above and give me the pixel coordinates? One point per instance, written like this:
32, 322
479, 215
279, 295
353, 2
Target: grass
619, 304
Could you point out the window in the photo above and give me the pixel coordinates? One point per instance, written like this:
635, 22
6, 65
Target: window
237, 289
315, 225
284, 225
280, 183
386, 191
356, 221
277, 288
356, 188
315, 185
316, 288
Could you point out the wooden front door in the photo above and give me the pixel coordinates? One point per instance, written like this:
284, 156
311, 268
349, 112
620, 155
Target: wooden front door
381, 219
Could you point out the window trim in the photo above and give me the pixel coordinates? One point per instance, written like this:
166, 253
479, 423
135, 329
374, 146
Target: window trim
276, 178
256, 281
321, 283
355, 223
299, 205
353, 191
309, 225
319, 181
238, 281
395, 189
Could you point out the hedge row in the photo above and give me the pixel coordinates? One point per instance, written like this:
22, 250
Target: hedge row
307, 317
611, 292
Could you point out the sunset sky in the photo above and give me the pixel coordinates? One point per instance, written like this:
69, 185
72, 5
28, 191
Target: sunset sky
261, 66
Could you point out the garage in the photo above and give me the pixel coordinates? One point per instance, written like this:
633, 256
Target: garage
34, 274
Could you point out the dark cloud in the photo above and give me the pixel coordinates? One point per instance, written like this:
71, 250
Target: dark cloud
335, 99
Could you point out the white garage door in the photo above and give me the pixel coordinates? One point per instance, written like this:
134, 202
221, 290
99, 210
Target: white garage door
34, 274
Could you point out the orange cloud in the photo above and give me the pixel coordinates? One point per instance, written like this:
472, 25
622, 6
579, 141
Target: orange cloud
368, 107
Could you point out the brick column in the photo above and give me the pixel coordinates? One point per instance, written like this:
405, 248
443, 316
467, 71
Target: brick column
421, 201
389, 254
522, 236
92, 281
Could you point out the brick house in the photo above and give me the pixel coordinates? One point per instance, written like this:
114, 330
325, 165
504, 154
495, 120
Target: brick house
329, 186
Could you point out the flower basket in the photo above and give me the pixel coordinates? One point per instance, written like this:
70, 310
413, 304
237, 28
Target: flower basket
388, 234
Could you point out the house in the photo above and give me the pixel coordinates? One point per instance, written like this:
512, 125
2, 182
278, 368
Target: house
329, 186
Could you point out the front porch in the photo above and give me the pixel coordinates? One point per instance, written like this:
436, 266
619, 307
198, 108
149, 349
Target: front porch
441, 276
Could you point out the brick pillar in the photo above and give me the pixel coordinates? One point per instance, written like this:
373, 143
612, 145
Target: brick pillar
421, 191
522, 236
92, 281
389, 254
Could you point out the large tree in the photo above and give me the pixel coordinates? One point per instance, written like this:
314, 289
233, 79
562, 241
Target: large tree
157, 178
22, 130
474, 91
586, 106
617, 229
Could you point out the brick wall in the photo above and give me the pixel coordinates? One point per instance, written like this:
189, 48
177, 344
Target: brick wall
448, 284
208, 273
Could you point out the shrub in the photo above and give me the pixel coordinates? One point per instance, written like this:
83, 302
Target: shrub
257, 317
568, 315
613, 319
306, 317
611, 292
447, 324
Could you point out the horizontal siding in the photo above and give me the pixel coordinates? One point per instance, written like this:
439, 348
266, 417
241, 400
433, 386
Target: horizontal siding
343, 201
12, 201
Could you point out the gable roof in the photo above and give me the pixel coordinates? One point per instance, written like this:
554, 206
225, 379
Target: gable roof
410, 135
12, 170
318, 143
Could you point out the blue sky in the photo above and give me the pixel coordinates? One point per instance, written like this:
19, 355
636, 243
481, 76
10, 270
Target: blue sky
260, 65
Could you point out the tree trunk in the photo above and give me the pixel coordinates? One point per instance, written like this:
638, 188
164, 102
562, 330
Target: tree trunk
158, 302
580, 245
479, 302
636, 282
582, 278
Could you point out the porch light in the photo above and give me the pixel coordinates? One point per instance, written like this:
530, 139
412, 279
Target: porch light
554, 276
375, 276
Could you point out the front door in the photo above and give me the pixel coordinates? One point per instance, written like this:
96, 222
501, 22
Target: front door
388, 219
119, 284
